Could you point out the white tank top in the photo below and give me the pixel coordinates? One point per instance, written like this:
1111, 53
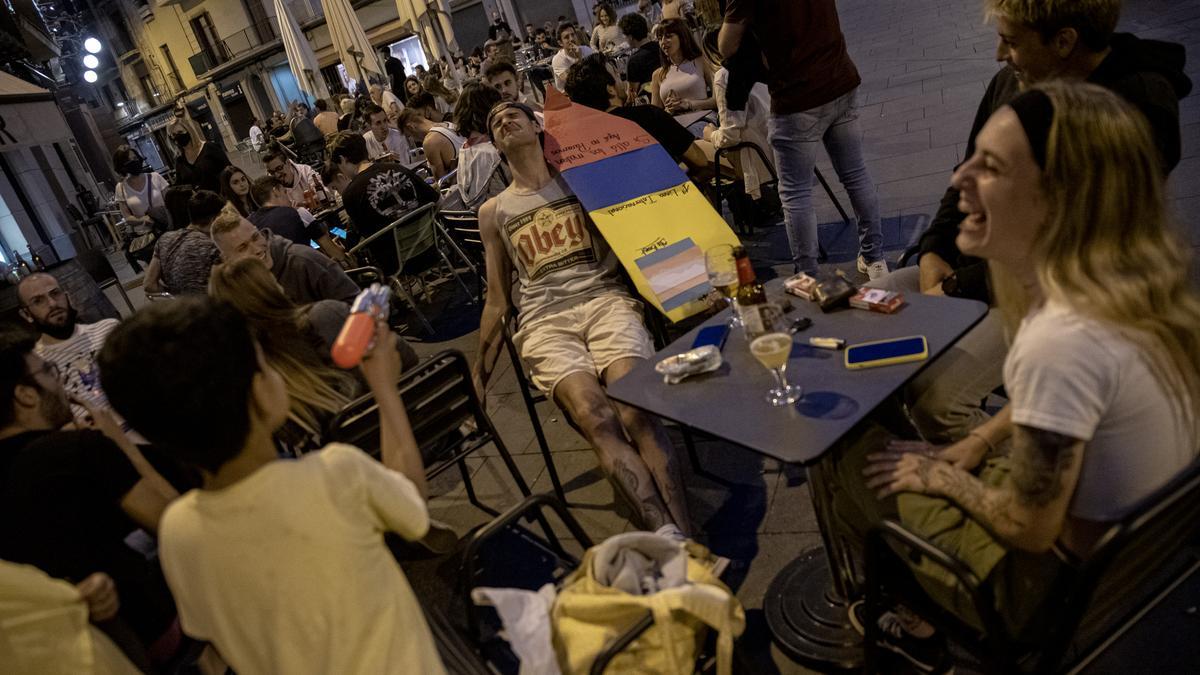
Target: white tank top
560, 258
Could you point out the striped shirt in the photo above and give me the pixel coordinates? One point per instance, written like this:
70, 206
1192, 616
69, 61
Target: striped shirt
76, 361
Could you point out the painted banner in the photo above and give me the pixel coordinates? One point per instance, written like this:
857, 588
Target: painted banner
657, 221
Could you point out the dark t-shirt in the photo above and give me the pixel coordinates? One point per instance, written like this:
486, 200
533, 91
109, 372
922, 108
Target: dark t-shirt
286, 222
60, 494
643, 63
380, 195
205, 172
657, 122
805, 50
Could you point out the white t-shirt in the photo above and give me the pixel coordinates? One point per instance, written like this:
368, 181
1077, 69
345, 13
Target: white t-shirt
257, 137
389, 99
396, 144
76, 361
562, 62
306, 177
286, 571
1076, 376
136, 200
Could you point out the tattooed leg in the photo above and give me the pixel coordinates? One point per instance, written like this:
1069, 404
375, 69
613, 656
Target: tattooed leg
656, 449
584, 400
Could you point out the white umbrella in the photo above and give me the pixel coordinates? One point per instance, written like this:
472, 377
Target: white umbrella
350, 40
299, 52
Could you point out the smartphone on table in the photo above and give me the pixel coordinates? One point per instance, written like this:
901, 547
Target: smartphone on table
886, 352
712, 335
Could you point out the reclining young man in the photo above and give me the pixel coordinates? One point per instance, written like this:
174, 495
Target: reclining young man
578, 327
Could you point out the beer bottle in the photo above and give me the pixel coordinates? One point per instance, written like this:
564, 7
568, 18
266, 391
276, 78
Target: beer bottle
751, 297
22, 266
38, 263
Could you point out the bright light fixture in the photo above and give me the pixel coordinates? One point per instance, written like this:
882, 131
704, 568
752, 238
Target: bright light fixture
91, 61
90, 75
92, 45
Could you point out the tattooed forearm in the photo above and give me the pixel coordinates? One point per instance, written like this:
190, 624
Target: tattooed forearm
992, 507
1038, 462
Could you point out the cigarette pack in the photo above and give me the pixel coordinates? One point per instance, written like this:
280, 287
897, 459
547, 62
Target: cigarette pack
877, 300
801, 285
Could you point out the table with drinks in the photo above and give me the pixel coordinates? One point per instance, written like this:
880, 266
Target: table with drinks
803, 399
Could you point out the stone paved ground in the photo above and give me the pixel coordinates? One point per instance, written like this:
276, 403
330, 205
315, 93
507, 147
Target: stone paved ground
925, 64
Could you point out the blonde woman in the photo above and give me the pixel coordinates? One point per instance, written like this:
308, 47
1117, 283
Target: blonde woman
1064, 198
294, 340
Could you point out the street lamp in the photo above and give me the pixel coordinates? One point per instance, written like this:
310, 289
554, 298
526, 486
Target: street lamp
93, 47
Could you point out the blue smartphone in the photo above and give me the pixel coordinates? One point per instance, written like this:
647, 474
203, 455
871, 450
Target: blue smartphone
886, 352
712, 335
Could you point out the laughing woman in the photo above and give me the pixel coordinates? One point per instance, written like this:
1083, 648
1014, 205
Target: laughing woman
1064, 198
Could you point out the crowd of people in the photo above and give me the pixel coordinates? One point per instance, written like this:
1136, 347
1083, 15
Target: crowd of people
174, 423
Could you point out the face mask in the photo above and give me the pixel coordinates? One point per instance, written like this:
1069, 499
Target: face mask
182, 139
133, 167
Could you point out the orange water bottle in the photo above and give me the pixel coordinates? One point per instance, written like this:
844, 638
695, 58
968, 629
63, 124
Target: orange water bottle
359, 329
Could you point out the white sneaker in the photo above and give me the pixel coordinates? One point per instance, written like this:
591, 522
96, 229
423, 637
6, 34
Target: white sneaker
877, 269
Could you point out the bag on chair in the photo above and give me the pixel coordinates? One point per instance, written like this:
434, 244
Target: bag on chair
607, 595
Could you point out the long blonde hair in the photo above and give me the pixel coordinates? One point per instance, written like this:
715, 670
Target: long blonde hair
1106, 248
315, 388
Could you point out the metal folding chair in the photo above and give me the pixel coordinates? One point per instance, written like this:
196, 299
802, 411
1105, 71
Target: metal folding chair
440, 398
413, 234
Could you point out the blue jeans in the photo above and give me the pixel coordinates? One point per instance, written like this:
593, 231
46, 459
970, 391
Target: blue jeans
795, 138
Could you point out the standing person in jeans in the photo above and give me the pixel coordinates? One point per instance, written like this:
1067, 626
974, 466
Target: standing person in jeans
813, 85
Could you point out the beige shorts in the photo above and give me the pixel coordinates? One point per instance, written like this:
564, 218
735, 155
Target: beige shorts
586, 338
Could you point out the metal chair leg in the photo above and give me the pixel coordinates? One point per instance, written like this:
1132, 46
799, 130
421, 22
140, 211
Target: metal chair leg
398, 287
121, 290
538, 432
454, 273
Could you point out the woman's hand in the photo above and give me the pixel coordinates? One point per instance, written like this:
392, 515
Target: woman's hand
100, 594
381, 363
891, 471
966, 454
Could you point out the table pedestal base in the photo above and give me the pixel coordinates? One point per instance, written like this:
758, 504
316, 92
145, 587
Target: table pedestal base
807, 619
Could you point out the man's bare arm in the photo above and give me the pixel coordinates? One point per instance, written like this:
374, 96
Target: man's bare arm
499, 301
730, 38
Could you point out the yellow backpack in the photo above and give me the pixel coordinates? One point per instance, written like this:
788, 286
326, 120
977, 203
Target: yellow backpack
587, 616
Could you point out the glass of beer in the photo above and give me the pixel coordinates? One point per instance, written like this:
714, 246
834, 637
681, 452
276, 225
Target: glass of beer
772, 351
723, 276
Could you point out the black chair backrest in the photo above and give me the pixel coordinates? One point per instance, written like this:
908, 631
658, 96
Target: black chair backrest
1112, 583
463, 226
96, 264
439, 398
